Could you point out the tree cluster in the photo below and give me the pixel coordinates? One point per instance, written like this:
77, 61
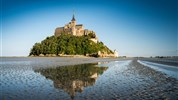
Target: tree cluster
69, 45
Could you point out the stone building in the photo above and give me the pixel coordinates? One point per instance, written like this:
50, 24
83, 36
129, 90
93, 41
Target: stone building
116, 54
73, 29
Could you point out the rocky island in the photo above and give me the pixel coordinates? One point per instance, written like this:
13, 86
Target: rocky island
72, 40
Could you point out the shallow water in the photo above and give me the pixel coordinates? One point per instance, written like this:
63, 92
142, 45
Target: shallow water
167, 69
127, 79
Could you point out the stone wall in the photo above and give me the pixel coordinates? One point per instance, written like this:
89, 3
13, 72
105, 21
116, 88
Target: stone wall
58, 31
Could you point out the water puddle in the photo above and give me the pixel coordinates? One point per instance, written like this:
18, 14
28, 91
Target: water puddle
73, 79
167, 69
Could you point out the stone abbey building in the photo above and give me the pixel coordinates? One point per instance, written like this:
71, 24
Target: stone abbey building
73, 29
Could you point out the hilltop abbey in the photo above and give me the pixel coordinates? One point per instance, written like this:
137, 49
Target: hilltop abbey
73, 29
78, 30
78, 42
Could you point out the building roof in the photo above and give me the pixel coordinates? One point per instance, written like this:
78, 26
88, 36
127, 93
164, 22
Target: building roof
79, 25
59, 27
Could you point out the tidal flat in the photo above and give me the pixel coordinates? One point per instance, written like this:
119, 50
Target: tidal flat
34, 78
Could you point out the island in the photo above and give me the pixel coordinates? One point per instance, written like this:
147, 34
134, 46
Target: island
70, 41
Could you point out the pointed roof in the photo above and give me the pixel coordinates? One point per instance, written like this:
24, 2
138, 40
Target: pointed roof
73, 18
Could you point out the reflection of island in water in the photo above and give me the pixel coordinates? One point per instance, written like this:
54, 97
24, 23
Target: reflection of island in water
74, 78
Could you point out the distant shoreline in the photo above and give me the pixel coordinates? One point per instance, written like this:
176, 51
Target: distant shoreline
13, 56
43, 62
65, 61
65, 56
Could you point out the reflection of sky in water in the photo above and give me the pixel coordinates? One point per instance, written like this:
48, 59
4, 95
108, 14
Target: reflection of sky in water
20, 81
104, 81
117, 79
167, 69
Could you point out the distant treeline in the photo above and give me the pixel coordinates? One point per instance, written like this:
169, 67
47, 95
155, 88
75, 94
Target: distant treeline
69, 45
165, 57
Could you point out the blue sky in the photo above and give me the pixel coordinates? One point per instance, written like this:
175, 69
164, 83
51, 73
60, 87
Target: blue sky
132, 27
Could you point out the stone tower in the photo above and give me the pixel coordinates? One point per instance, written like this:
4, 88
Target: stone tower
73, 24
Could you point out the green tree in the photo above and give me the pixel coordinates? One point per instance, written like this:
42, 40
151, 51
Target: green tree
68, 44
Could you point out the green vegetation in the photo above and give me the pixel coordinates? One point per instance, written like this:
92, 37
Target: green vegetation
69, 45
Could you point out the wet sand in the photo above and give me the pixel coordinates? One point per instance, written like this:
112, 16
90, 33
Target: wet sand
38, 62
134, 82
21, 79
167, 61
159, 85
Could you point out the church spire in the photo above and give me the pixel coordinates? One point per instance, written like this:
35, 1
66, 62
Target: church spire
73, 18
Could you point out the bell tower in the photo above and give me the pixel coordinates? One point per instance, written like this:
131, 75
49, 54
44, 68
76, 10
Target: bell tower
73, 23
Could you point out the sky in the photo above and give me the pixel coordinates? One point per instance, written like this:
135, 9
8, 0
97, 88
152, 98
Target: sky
132, 27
